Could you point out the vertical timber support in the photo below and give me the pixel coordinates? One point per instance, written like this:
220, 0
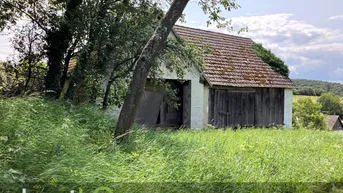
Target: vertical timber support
288, 94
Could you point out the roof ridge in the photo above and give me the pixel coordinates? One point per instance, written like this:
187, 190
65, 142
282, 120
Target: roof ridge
210, 31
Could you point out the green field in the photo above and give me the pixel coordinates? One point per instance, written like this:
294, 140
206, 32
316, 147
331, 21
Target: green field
297, 97
48, 145
313, 98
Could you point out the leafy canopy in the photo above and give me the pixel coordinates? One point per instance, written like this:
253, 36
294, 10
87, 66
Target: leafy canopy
273, 61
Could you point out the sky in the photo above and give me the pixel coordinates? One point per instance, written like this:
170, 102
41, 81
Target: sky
306, 34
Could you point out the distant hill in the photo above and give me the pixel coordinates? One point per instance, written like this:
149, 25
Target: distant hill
316, 87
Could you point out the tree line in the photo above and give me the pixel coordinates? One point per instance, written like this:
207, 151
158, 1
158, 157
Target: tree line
316, 87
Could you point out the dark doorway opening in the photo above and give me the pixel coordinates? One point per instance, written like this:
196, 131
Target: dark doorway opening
156, 110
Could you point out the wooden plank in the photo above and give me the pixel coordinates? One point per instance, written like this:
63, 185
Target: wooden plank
215, 118
259, 108
252, 109
210, 106
149, 108
282, 106
263, 107
271, 104
241, 99
234, 109
277, 107
186, 114
267, 106
234, 89
256, 112
223, 107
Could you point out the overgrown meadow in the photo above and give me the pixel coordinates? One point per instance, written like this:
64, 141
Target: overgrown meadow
49, 146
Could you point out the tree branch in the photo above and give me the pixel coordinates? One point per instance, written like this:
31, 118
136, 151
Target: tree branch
35, 20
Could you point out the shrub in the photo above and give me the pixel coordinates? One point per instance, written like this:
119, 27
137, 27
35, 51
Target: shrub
273, 61
14, 76
331, 104
306, 114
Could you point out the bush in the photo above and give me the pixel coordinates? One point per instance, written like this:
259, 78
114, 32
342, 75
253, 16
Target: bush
331, 104
273, 61
306, 114
13, 78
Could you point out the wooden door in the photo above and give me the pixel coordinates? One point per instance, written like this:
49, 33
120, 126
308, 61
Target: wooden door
232, 108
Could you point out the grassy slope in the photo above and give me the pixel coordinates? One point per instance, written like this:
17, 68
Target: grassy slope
313, 98
56, 143
298, 97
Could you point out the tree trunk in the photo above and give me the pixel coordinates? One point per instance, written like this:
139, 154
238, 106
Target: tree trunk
143, 65
65, 88
107, 93
29, 74
58, 42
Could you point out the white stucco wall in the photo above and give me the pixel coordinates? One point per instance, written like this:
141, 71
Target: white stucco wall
288, 94
197, 96
205, 109
197, 104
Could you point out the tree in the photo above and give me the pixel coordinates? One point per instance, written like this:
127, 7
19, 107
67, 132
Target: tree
106, 37
331, 104
273, 61
117, 34
306, 114
29, 45
57, 19
151, 50
61, 46
25, 72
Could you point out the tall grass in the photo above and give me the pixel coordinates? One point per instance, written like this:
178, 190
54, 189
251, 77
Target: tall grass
51, 145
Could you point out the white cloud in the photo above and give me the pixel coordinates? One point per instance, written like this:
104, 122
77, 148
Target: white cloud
336, 17
293, 69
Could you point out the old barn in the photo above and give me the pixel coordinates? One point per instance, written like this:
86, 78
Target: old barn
236, 88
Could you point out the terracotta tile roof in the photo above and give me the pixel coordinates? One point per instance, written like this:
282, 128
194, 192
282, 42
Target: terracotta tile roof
233, 62
72, 65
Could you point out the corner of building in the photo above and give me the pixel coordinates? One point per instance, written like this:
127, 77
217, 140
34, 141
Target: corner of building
288, 95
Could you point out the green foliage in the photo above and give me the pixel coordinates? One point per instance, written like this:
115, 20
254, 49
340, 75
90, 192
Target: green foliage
268, 57
13, 77
57, 147
306, 114
331, 104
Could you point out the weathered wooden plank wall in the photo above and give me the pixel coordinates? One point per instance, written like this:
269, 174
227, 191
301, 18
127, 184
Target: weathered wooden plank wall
186, 112
260, 107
